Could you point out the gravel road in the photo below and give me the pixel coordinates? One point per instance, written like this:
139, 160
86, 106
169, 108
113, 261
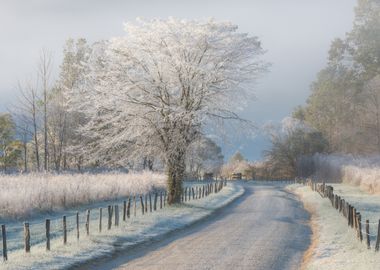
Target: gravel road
267, 228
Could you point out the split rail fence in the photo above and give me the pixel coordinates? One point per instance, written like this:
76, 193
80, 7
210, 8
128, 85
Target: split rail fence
129, 207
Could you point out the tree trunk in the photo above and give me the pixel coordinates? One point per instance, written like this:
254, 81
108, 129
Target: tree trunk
25, 157
175, 171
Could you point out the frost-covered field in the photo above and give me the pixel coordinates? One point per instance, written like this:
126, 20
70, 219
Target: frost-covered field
367, 204
360, 171
134, 230
336, 246
23, 196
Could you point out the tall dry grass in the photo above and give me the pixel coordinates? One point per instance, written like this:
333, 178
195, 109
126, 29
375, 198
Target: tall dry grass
356, 170
23, 195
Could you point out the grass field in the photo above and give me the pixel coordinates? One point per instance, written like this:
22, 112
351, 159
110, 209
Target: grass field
23, 196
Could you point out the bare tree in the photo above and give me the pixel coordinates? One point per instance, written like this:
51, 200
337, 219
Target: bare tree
27, 108
44, 72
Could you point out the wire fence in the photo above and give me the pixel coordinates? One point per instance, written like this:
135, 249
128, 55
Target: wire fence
360, 227
95, 220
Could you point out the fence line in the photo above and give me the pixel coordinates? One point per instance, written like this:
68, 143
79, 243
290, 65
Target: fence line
354, 218
200, 192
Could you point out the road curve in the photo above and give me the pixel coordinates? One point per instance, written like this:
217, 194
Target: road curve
266, 228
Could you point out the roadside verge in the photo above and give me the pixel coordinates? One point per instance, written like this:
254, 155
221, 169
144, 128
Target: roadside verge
334, 245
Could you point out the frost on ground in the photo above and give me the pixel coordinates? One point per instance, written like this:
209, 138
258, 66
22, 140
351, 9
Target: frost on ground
26, 195
335, 244
134, 230
367, 204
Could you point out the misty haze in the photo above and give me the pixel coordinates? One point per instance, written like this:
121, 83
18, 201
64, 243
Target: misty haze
190, 135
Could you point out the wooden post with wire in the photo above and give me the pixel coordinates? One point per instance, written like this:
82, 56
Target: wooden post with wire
47, 227
124, 210
26, 237
116, 214
77, 220
146, 203
109, 217
155, 201
161, 200
142, 204
88, 222
360, 227
64, 225
134, 207
4, 237
378, 237
367, 233
100, 219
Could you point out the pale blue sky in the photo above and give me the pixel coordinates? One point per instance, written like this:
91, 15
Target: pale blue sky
296, 34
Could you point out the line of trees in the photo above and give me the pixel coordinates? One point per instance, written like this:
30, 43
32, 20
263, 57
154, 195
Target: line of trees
343, 111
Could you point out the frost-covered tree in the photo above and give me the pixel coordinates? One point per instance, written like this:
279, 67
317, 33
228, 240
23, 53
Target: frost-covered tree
156, 88
203, 156
63, 140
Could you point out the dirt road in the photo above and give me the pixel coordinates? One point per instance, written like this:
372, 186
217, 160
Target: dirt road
266, 228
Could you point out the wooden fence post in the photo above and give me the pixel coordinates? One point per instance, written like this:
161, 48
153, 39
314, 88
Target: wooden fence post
146, 203
124, 210
344, 208
64, 225
378, 237
47, 227
100, 218
134, 207
129, 207
367, 233
192, 190
88, 222
161, 200
116, 215
155, 202
142, 204
27, 237
357, 225
109, 217
4, 236
150, 202
360, 227
77, 220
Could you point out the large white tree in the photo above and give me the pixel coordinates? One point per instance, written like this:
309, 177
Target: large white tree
156, 88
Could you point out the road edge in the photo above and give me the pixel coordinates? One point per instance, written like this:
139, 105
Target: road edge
308, 254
